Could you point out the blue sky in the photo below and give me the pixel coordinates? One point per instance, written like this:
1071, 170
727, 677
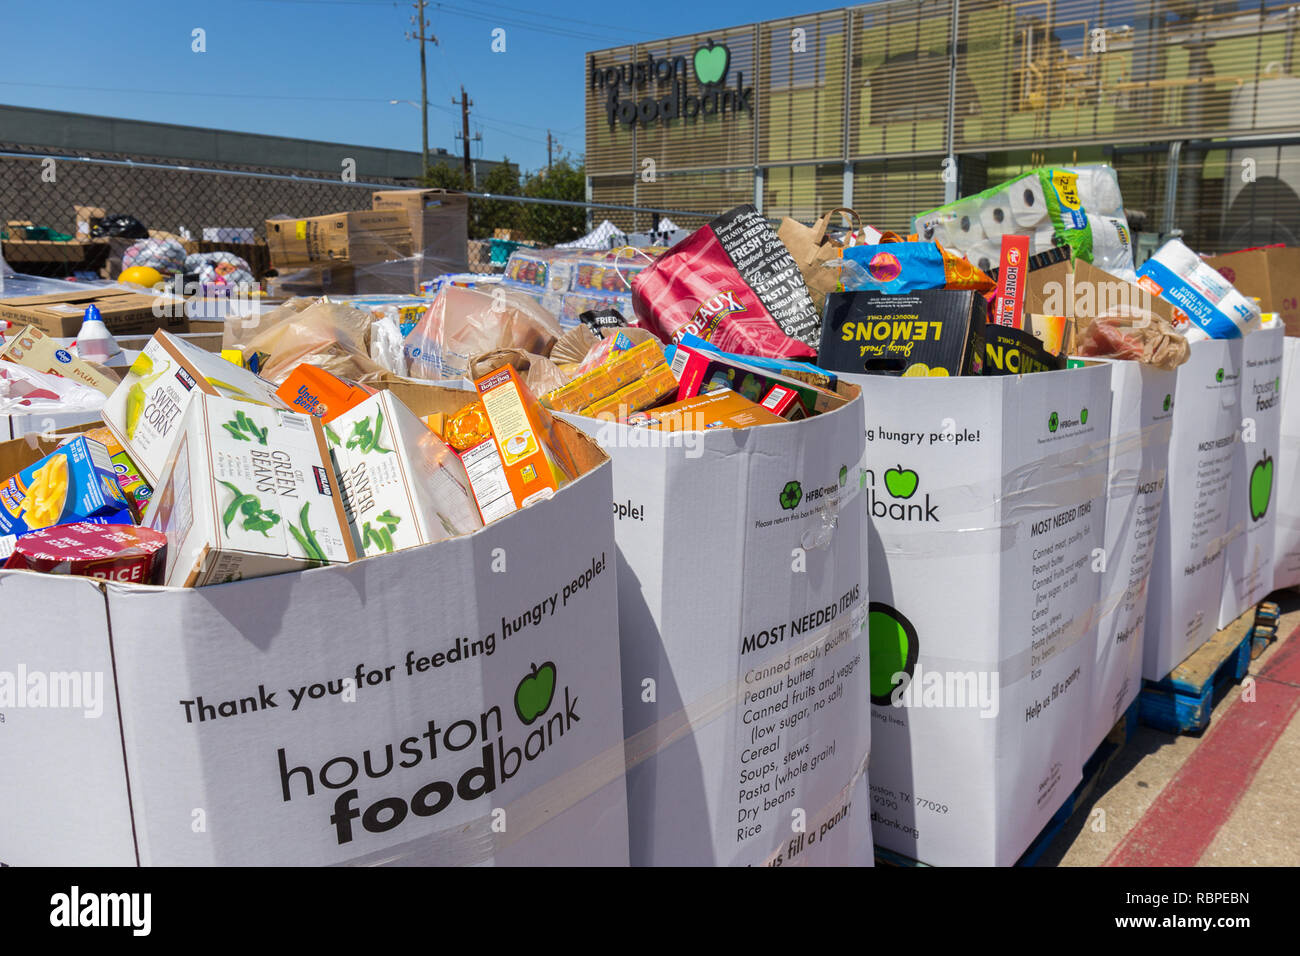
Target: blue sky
326, 69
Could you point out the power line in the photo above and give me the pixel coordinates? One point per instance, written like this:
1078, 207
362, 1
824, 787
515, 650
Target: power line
501, 6
523, 25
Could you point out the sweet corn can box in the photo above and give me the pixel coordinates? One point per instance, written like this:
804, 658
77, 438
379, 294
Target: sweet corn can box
146, 409
244, 507
72, 483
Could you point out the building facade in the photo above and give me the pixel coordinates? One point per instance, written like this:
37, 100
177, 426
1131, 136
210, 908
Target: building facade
894, 107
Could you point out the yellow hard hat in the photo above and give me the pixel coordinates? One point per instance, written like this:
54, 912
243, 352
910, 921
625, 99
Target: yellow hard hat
142, 275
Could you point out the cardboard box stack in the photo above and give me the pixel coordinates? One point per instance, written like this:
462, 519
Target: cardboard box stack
439, 228
343, 253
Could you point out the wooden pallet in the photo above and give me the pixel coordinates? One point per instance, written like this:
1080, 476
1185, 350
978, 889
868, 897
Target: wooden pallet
1093, 770
1264, 632
1183, 701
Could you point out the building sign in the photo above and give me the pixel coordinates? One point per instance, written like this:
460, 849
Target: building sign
650, 89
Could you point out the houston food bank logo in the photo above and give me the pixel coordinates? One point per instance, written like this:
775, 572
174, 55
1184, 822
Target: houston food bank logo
665, 79
365, 800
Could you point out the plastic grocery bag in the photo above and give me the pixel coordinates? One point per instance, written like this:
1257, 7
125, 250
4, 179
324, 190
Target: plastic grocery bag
28, 392
387, 345
462, 323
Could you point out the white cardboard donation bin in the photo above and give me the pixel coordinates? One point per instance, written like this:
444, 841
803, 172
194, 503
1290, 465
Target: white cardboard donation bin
1252, 513
742, 601
1186, 583
1141, 414
454, 703
1286, 493
986, 499
18, 425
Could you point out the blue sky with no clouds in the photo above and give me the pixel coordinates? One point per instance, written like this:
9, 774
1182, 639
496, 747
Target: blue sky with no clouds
327, 69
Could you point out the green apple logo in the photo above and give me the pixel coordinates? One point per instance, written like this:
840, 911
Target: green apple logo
1261, 486
711, 63
892, 646
1218, 376
1083, 417
844, 474
534, 693
791, 495
1052, 422
1169, 400
901, 482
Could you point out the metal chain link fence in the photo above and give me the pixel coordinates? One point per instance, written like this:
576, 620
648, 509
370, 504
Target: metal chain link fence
1222, 199
209, 209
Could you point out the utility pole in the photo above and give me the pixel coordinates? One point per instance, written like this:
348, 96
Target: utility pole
548, 150
465, 104
421, 29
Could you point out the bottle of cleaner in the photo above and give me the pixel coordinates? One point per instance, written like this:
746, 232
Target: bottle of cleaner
94, 342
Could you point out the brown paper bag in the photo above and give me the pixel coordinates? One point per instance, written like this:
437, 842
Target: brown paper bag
810, 249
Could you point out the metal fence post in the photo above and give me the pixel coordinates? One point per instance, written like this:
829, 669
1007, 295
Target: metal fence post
950, 183
1171, 186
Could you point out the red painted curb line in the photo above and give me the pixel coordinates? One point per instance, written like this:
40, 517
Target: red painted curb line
1188, 813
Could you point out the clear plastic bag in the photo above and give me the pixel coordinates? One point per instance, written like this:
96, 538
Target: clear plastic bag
24, 391
462, 323
387, 346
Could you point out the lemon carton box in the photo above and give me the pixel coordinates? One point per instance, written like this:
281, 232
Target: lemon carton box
929, 332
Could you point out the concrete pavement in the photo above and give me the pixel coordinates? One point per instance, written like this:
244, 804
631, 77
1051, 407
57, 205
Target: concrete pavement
1230, 797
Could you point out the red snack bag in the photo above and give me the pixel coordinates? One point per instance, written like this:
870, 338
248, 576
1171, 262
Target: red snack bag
732, 283
112, 552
